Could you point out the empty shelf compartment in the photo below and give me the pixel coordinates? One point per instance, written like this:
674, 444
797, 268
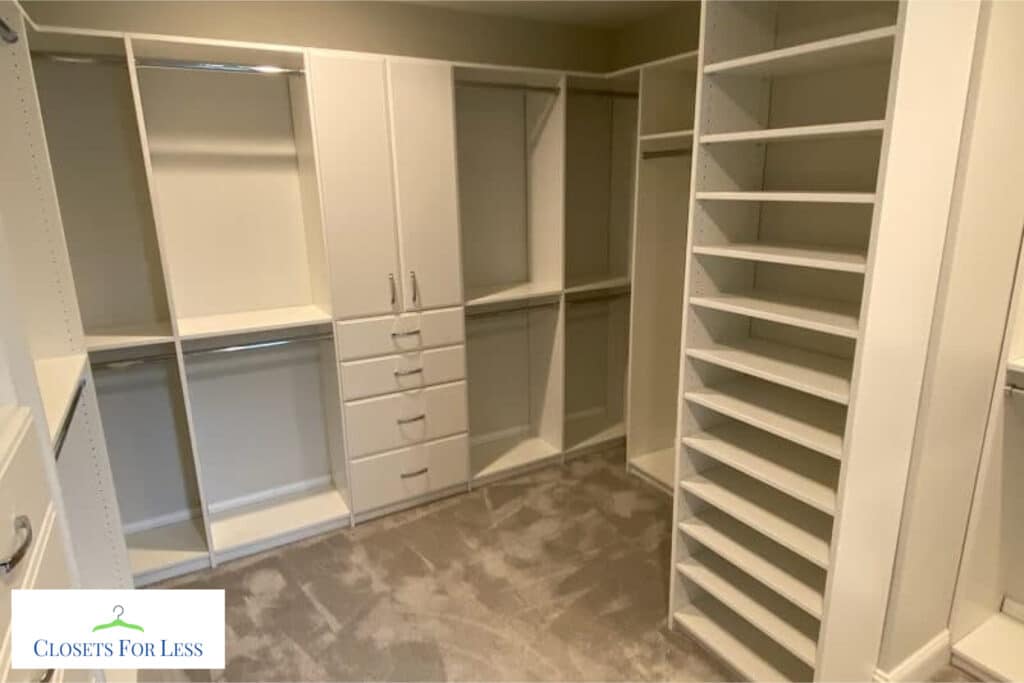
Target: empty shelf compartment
658, 466
807, 256
821, 315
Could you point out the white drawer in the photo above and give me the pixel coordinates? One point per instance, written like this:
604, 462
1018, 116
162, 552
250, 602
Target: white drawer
395, 476
388, 422
395, 333
388, 374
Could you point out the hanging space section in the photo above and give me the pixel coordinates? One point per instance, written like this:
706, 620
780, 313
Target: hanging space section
789, 139
659, 247
235, 185
510, 131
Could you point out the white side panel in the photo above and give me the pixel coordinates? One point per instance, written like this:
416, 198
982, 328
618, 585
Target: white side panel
350, 109
916, 186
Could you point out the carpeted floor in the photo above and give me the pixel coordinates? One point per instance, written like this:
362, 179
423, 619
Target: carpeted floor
560, 574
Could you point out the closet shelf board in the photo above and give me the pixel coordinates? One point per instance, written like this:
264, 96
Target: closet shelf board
482, 296
804, 420
993, 650
659, 466
789, 254
830, 316
779, 570
128, 336
669, 135
611, 432
249, 529
784, 196
864, 47
823, 131
251, 321
817, 374
735, 494
164, 548
729, 637
792, 470
1015, 365
599, 285
756, 614
58, 379
501, 455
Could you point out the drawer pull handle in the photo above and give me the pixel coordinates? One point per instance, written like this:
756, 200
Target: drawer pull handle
406, 373
21, 523
47, 676
409, 420
410, 475
410, 333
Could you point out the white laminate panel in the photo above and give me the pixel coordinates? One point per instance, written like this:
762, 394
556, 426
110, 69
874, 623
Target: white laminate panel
400, 372
388, 422
400, 475
391, 334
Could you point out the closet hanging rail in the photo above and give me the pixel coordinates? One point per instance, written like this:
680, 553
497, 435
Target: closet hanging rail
482, 312
150, 63
506, 86
127, 363
604, 93
253, 346
660, 153
65, 426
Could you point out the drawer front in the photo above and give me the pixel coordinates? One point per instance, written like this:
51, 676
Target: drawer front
396, 420
388, 374
394, 334
395, 476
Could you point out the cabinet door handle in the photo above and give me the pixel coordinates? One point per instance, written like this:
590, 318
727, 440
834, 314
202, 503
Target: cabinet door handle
410, 333
47, 676
410, 420
415, 287
410, 475
394, 290
7, 34
23, 524
406, 373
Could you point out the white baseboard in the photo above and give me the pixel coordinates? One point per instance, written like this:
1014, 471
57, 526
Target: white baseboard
922, 664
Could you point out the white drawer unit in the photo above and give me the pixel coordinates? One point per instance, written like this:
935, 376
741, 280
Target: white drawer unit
392, 477
396, 333
396, 420
400, 372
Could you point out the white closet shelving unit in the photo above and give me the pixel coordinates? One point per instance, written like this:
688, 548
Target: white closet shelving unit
793, 102
664, 155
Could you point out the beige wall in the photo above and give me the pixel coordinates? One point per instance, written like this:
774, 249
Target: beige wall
387, 27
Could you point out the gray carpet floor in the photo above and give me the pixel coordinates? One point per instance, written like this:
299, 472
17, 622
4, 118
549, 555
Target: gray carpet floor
559, 574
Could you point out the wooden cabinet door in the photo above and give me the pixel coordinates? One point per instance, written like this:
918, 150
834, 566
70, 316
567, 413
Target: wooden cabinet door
350, 110
423, 129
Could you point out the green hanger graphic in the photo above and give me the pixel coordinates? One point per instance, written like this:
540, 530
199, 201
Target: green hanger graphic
117, 623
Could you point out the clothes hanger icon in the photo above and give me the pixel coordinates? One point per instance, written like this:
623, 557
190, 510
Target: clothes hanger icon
117, 623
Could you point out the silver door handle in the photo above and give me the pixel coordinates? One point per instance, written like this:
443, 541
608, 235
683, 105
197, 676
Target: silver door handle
409, 420
410, 475
21, 523
406, 373
47, 676
410, 333
394, 290
415, 287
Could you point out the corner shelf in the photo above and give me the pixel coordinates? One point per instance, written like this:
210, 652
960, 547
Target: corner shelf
789, 255
608, 284
771, 564
129, 336
58, 380
510, 453
820, 315
165, 551
658, 466
270, 319
992, 651
863, 47
668, 136
526, 291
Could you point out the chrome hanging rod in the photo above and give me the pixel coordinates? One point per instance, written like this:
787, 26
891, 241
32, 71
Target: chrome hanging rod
661, 153
604, 93
253, 346
483, 312
150, 63
465, 83
65, 426
127, 363
1013, 390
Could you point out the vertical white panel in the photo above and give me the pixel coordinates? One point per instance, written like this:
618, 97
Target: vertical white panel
915, 189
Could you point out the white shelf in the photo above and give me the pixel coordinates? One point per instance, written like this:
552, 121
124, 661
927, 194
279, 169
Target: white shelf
729, 588
775, 567
818, 374
821, 315
1015, 365
804, 420
58, 380
129, 336
993, 650
482, 296
730, 638
265, 320
599, 285
594, 436
792, 470
509, 453
155, 553
799, 197
659, 466
673, 135
258, 527
824, 131
778, 517
864, 47
790, 255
